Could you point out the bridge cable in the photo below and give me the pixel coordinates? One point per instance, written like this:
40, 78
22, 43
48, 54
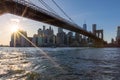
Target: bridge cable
63, 11
47, 6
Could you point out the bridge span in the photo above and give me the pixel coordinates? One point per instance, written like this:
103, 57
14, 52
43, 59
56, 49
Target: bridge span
31, 11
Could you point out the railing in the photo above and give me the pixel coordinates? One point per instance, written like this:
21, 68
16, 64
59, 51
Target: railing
33, 6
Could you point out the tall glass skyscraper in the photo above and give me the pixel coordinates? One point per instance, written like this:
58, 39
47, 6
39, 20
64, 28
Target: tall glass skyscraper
118, 32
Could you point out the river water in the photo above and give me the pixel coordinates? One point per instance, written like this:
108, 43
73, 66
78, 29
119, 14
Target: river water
59, 63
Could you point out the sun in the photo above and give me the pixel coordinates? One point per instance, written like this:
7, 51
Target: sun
14, 28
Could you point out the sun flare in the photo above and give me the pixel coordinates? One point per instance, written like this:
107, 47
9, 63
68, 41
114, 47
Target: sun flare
14, 28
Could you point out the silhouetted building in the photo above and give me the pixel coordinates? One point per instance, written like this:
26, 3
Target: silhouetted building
77, 37
94, 28
76, 40
69, 38
118, 32
29, 43
35, 39
85, 27
112, 41
19, 39
61, 37
118, 36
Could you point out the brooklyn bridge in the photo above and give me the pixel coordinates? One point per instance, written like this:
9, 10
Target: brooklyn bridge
28, 10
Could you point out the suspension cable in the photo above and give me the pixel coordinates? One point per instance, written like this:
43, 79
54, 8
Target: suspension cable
47, 6
62, 11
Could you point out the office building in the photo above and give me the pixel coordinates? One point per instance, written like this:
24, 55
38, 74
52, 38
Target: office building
19, 39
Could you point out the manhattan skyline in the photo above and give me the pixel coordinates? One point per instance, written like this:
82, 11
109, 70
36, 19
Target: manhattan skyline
103, 13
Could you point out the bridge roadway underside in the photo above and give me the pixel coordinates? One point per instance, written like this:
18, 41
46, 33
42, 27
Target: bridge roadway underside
7, 6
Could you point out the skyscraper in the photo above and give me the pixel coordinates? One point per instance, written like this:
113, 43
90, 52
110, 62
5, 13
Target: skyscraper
85, 27
18, 39
94, 28
118, 35
118, 32
61, 37
69, 38
44, 37
35, 39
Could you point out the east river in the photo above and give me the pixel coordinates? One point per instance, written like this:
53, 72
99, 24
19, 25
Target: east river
59, 63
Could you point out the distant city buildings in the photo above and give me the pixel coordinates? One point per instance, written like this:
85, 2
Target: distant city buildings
18, 39
115, 42
43, 37
47, 38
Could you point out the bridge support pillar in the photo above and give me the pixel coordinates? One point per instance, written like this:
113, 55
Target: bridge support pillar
98, 44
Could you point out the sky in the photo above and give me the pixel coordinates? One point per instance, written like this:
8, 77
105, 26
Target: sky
104, 13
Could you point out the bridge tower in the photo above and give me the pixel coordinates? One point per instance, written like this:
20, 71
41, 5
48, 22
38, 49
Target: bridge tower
99, 34
97, 43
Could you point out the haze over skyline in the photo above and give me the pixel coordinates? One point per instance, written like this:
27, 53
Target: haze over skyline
104, 13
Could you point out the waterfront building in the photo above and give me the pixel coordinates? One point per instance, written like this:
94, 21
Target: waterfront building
61, 37
35, 39
18, 39
77, 37
44, 37
118, 32
39, 40
23, 40
69, 38
118, 36
112, 41
29, 43
12, 42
